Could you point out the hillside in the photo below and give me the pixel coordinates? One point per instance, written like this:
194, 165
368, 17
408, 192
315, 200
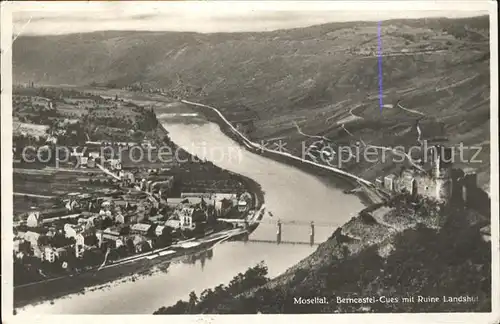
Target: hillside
315, 77
312, 83
365, 258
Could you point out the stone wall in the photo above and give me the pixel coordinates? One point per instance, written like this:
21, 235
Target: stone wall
444, 189
426, 186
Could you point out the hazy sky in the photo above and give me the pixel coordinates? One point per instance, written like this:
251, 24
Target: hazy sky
222, 16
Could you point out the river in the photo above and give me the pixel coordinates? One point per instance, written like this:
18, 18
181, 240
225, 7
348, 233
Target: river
290, 194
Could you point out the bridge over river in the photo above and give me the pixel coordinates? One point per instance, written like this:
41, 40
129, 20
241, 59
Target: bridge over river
311, 225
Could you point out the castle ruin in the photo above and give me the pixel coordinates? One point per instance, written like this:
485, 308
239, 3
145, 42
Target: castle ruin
437, 180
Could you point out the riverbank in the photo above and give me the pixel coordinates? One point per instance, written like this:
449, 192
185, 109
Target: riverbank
140, 265
374, 239
367, 194
381, 263
77, 283
291, 194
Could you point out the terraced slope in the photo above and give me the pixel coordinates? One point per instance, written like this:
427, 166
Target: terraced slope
312, 77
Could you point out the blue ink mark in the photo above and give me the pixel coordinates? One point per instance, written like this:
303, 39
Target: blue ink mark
380, 91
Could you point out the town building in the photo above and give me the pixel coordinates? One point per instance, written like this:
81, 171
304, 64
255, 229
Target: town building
115, 164
91, 163
222, 207
105, 213
52, 254
72, 205
22, 245
35, 218
141, 244
82, 161
120, 218
114, 235
159, 230
62, 253
173, 223
196, 195
77, 152
71, 230
186, 218
141, 229
242, 206
182, 202
94, 155
49, 254
157, 219
31, 237
189, 217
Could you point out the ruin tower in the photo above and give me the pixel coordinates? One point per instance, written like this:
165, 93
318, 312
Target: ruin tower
469, 186
442, 159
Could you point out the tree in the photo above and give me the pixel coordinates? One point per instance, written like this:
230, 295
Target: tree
59, 240
91, 240
166, 236
153, 211
93, 257
193, 300
130, 246
43, 240
210, 300
106, 223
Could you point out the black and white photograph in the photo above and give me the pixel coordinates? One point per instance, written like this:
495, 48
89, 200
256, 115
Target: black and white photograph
216, 157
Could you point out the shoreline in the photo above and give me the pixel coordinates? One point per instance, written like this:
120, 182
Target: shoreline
90, 280
331, 177
142, 265
31, 294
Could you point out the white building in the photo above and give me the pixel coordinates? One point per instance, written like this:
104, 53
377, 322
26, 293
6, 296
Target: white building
140, 228
34, 219
186, 218
49, 254
242, 206
71, 230
115, 164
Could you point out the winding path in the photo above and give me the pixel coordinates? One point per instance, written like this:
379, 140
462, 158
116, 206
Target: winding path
33, 195
345, 129
409, 110
310, 136
256, 146
389, 149
457, 83
351, 111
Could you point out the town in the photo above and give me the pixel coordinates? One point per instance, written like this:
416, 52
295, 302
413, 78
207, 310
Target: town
109, 206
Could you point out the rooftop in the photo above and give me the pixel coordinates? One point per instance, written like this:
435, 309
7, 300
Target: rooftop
140, 227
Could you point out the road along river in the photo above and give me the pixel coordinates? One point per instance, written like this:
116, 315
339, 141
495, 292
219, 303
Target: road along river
290, 194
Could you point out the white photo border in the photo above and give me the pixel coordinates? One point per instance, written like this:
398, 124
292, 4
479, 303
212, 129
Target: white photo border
7, 8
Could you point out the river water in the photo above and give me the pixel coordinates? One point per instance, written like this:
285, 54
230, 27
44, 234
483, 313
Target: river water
290, 194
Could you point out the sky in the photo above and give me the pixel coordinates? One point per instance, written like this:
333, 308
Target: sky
40, 18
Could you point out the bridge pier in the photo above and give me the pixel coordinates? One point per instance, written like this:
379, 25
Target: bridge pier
278, 233
245, 236
311, 235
